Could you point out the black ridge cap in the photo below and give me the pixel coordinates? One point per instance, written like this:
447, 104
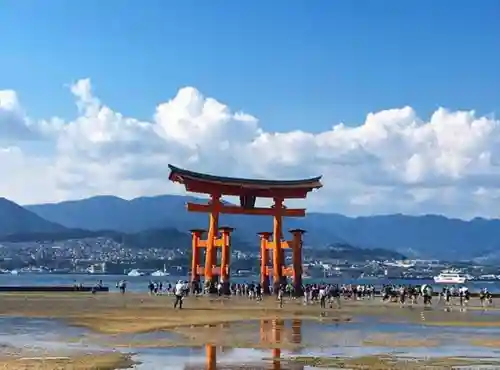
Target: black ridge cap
314, 181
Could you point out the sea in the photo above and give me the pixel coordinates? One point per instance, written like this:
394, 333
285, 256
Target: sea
140, 283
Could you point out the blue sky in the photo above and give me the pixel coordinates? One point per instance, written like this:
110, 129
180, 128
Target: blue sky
293, 64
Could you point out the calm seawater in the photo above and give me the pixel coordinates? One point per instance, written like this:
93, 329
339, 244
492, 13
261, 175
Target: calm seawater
140, 283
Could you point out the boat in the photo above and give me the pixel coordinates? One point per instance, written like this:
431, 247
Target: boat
244, 273
34, 270
450, 277
159, 273
401, 264
135, 272
489, 278
14, 272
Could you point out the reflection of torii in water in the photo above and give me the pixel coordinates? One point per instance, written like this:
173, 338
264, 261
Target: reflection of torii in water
271, 332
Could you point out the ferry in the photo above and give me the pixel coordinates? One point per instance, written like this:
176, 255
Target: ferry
135, 273
451, 277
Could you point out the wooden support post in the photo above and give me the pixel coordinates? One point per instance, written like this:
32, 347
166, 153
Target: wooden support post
226, 259
211, 354
277, 251
278, 327
264, 260
196, 235
264, 331
297, 261
210, 255
297, 331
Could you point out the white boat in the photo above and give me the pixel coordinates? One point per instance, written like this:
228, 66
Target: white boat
14, 272
402, 264
135, 272
450, 277
159, 273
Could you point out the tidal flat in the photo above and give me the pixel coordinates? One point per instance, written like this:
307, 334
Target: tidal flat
384, 362
139, 313
141, 331
106, 361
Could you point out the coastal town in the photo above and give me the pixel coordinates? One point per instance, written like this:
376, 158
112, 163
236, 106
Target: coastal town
106, 256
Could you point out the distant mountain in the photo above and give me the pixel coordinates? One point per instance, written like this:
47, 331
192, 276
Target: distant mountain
348, 252
428, 236
15, 219
415, 236
113, 213
165, 238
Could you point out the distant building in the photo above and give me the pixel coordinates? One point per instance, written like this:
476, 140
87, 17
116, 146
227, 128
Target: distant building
97, 268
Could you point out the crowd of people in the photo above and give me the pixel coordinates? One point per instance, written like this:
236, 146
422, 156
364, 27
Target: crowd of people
331, 294
322, 293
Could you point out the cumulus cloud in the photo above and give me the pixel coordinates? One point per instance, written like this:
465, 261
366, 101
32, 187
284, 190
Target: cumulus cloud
393, 162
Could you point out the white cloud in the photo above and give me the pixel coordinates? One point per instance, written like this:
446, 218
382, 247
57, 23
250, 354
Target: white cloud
393, 162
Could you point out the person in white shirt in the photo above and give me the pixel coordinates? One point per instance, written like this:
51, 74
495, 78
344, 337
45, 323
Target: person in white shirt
463, 292
179, 291
322, 296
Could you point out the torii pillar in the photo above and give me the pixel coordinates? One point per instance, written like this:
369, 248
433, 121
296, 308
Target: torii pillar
264, 261
196, 235
225, 259
224, 243
297, 262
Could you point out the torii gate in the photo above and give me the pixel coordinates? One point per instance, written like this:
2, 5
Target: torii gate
248, 190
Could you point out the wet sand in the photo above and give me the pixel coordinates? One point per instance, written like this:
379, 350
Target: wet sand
107, 361
397, 341
392, 363
354, 335
138, 313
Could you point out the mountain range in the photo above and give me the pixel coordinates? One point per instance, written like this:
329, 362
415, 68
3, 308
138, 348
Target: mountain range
428, 236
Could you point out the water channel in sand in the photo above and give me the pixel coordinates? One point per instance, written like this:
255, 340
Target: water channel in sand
364, 337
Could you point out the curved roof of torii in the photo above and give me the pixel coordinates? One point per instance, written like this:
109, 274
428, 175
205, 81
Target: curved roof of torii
201, 183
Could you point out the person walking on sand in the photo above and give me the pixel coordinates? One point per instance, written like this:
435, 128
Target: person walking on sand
281, 293
122, 285
179, 294
322, 296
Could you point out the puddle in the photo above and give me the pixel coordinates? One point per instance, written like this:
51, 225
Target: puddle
40, 335
320, 340
213, 358
295, 337
486, 312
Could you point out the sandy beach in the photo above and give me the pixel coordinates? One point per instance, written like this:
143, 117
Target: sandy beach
234, 322
138, 313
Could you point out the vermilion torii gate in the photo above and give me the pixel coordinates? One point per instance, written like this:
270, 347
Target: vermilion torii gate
248, 190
